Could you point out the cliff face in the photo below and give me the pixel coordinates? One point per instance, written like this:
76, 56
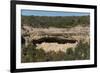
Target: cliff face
77, 33
35, 33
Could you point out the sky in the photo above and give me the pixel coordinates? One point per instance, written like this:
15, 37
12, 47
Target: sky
51, 13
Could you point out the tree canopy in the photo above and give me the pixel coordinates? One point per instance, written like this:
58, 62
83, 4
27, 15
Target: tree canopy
55, 21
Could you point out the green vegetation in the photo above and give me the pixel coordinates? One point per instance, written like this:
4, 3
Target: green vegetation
31, 54
82, 51
55, 21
